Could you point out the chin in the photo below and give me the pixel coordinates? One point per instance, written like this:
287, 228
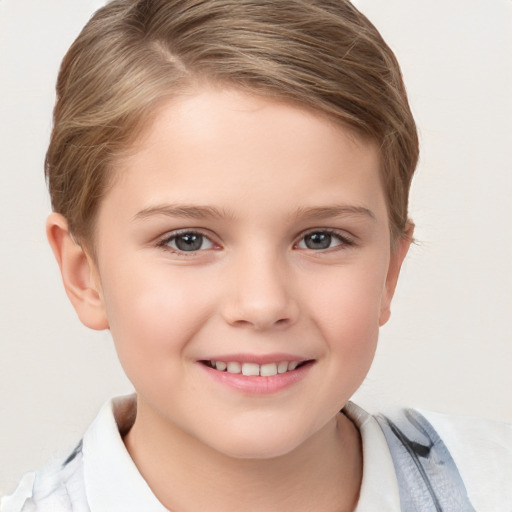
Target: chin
259, 444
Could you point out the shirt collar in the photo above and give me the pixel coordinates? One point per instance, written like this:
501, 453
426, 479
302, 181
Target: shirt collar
379, 487
114, 484
112, 481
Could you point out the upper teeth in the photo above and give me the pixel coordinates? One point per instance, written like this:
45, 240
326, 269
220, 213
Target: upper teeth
264, 370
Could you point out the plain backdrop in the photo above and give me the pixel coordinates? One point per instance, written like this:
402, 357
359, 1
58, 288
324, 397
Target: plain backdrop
448, 345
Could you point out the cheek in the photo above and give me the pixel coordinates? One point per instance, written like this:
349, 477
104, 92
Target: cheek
346, 311
153, 312
349, 299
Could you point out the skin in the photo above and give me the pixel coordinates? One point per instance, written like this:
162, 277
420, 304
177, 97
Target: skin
254, 177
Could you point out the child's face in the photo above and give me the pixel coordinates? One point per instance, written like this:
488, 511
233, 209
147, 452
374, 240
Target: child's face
244, 230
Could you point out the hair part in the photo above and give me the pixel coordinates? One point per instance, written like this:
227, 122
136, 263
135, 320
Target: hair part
134, 54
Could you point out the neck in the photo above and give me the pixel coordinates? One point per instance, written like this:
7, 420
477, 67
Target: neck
323, 474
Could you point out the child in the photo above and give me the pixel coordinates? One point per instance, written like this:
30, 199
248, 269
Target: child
229, 183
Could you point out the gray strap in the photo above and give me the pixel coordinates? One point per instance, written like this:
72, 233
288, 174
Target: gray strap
428, 478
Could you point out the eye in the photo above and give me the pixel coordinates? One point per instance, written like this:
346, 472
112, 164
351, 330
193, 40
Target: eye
187, 241
323, 240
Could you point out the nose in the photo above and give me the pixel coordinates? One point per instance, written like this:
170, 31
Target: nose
260, 294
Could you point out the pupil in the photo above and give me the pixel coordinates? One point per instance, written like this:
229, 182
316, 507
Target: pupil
189, 242
318, 241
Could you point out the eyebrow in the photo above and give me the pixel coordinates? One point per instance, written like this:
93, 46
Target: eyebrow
325, 212
182, 211
210, 212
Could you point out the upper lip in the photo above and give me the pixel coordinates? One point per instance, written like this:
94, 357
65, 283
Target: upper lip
257, 359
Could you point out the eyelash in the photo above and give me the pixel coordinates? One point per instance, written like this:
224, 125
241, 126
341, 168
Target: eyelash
345, 241
164, 242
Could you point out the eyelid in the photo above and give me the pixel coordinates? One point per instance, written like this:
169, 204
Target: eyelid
347, 240
163, 241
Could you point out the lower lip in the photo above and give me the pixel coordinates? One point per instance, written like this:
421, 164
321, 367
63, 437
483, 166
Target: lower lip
256, 385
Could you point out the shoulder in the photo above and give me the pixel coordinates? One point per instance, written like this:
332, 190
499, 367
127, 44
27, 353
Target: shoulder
58, 487
482, 451
474, 455
61, 485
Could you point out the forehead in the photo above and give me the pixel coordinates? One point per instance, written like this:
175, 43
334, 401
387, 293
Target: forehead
213, 144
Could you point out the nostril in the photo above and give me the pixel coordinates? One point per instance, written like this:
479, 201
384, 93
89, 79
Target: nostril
260, 308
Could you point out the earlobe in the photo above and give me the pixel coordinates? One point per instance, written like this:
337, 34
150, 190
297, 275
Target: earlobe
398, 254
78, 273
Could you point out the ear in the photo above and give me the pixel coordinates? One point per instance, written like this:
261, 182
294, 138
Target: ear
398, 253
79, 273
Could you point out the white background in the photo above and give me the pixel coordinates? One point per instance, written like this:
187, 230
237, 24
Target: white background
448, 346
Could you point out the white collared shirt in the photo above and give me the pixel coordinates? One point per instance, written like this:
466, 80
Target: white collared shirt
103, 478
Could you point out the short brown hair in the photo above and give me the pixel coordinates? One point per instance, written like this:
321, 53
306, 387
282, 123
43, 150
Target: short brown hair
132, 54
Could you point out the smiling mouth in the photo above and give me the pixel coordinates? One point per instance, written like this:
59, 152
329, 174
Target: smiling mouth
254, 369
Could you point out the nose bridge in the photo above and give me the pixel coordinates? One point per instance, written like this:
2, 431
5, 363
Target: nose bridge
261, 292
